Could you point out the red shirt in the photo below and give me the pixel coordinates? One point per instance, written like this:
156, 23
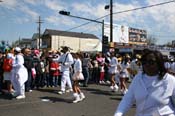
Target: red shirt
54, 68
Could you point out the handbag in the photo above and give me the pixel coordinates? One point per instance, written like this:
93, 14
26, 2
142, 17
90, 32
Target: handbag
78, 76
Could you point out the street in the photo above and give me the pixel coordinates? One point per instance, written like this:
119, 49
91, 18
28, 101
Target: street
99, 101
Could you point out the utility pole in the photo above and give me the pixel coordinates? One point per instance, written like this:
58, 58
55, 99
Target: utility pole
111, 20
39, 30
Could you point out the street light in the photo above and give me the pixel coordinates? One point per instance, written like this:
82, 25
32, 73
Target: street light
66, 13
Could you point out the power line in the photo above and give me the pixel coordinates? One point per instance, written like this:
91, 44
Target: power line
134, 9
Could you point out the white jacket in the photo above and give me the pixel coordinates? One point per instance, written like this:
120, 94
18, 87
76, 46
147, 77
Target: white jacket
66, 61
78, 66
155, 103
113, 65
19, 71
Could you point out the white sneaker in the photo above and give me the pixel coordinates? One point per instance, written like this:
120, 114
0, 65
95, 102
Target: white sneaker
61, 92
112, 87
30, 90
21, 97
103, 82
115, 88
69, 90
108, 82
77, 98
125, 91
82, 96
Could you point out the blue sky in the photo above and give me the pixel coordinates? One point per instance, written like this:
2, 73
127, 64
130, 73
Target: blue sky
18, 17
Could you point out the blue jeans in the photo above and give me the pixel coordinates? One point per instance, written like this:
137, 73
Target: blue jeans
48, 79
54, 81
28, 83
86, 75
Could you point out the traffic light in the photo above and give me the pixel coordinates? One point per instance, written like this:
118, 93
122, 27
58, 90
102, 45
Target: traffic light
64, 12
105, 40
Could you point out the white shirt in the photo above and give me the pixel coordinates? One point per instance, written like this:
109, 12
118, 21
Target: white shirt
149, 102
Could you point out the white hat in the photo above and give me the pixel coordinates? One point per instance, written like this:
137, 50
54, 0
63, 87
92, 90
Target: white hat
18, 49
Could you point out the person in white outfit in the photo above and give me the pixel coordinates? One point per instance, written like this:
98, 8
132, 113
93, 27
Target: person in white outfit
124, 74
66, 61
78, 75
113, 71
19, 74
152, 90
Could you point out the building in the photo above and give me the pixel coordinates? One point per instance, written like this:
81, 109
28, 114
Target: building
25, 43
55, 39
35, 41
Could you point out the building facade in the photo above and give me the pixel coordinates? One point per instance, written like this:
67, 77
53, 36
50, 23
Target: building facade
55, 39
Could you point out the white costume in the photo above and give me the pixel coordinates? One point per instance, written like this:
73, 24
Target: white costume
77, 66
19, 76
113, 66
113, 70
78, 76
66, 60
152, 96
124, 72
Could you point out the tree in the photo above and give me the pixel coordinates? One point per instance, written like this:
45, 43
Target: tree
151, 40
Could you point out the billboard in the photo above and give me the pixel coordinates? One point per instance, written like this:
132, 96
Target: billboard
125, 34
120, 33
137, 36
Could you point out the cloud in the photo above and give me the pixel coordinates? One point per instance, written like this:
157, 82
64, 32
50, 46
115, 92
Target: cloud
33, 2
29, 12
22, 20
55, 20
55, 5
10, 4
87, 9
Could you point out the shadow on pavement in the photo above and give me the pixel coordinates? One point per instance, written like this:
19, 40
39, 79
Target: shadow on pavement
56, 99
48, 90
98, 91
6, 96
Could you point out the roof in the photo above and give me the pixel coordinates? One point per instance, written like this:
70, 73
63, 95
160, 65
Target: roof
36, 36
69, 34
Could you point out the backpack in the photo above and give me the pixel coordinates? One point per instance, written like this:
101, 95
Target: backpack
7, 65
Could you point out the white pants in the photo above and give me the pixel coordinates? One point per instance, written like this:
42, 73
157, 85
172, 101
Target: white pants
19, 77
65, 80
18, 86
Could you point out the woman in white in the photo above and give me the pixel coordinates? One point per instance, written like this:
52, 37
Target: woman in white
124, 74
113, 71
19, 74
78, 75
152, 90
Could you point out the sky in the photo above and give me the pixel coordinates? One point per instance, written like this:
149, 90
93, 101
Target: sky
18, 18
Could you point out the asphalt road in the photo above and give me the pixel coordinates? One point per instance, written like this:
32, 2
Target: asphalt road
99, 101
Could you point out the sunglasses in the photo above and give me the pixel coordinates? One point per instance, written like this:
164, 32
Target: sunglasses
149, 62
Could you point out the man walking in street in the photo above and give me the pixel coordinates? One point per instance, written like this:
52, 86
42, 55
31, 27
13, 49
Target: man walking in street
66, 61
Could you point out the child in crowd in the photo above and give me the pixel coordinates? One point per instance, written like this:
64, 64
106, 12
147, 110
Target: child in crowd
54, 72
7, 68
